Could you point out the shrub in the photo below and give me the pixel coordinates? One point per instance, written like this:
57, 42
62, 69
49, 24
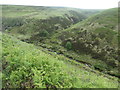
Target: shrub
111, 62
11, 22
44, 33
68, 45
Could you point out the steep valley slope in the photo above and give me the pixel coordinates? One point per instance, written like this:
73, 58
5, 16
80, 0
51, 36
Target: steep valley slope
27, 66
96, 36
73, 38
29, 20
95, 40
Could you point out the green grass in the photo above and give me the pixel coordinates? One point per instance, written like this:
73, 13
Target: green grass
24, 65
103, 26
30, 18
41, 12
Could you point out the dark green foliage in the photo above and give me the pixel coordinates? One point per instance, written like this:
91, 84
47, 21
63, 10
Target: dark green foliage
68, 45
96, 36
76, 16
100, 67
106, 33
111, 62
43, 33
8, 22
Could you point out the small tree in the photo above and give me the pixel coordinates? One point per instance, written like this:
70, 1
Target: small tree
44, 33
68, 45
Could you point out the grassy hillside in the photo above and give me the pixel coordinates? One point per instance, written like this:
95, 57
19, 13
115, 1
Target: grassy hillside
96, 37
35, 68
41, 12
30, 21
69, 47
